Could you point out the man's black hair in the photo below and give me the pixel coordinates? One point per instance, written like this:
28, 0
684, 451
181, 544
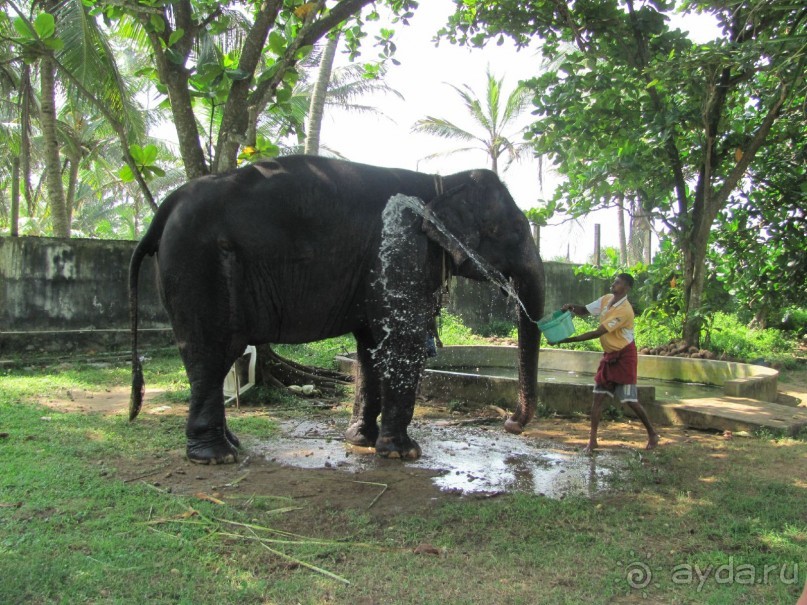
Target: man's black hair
627, 278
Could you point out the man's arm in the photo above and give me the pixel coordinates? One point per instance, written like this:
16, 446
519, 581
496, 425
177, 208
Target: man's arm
580, 310
585, 336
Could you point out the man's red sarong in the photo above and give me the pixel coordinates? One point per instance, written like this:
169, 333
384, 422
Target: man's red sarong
618, 367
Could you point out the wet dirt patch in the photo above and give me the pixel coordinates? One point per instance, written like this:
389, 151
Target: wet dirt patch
464, 458
465, 455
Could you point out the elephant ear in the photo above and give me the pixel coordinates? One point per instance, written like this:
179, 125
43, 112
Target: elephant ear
449, 221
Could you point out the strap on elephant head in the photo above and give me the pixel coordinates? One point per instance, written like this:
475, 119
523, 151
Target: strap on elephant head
431, 218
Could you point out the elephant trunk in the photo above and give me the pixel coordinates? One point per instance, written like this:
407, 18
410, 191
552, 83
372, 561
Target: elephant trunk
530, 289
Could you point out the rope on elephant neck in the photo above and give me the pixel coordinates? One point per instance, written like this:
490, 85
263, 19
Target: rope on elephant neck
445, 275
438, 184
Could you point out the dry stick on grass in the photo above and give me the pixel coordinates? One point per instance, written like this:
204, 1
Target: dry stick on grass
153, 471
213, 524
384, 485
283, 555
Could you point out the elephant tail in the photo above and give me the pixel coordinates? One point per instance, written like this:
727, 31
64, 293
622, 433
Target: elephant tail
148, 246
138, 383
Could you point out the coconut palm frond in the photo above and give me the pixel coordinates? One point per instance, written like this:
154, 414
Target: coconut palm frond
474, 107
348, 83
492, 113
88, 57
449, 152
443, 128
493, 99
517, 102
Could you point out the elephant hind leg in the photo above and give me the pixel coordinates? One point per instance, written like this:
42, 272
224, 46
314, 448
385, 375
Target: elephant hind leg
363, 427
209, 440
207, 358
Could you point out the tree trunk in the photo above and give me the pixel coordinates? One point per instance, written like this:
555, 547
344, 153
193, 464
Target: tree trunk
190, 145
623, 243
694, 280
318, 96
72, 184
53, 167
640, 230
25, 138
235, 121
15, 196
279, 372
174, 76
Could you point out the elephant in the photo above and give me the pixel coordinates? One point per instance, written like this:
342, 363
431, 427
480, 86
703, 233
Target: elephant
302, 248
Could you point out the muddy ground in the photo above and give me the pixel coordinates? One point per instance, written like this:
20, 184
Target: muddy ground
466, 455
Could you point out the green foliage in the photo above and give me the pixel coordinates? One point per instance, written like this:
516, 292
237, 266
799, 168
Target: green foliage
794, 319
145, 158
320, 354
655, 330
761, 250
453, 332
41, 31
264, 149
497, 328
736, 340
541, 215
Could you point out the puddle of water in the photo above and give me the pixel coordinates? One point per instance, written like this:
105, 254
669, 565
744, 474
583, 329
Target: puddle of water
465, 459
666, 390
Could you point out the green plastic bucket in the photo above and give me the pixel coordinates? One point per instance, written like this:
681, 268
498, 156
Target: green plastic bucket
557, 326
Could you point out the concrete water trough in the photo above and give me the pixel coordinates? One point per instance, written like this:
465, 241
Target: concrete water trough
707, 394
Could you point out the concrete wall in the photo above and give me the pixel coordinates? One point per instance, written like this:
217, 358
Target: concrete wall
72, 294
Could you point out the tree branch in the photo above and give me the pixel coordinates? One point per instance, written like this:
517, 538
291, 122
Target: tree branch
750, 152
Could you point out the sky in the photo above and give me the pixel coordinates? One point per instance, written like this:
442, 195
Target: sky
424, 78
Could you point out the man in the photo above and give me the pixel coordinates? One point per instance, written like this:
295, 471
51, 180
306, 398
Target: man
616, 375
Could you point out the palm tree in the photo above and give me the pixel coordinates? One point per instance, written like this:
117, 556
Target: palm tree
493, 115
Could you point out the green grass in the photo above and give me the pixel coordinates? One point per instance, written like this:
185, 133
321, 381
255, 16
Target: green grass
72, 531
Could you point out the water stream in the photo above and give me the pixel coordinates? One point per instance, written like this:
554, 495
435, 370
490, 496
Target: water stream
399, 202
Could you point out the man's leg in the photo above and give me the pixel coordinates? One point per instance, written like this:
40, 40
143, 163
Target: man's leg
652, 435
596, 413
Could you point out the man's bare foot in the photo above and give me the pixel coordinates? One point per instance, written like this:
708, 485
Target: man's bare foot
652, 441
592, 445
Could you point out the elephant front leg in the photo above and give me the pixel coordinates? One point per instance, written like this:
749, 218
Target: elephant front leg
209, 439
400, 390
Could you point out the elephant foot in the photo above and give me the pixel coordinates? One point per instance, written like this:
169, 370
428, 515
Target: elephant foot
396, 447
513, 426
361, 434
213, 448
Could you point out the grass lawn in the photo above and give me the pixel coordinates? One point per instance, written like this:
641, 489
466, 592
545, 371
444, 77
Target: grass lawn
94, 509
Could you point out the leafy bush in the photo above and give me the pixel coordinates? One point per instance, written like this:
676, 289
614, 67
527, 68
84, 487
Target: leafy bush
794, 319
654, 329
498, 328
454, 332
729, 336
